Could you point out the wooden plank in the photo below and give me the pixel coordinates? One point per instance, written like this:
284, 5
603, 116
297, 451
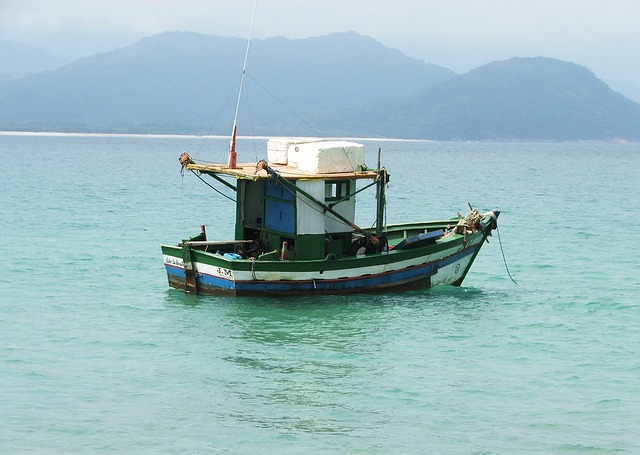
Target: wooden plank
247, 171
190, 272
214, 243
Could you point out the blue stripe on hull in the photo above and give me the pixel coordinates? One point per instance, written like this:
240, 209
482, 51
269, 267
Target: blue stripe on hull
415, 276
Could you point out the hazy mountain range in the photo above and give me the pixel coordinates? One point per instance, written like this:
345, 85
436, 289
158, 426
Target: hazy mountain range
341, 84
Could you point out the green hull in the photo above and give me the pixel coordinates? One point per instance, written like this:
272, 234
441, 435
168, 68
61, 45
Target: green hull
207, 269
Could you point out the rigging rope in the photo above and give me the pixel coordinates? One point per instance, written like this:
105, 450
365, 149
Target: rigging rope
307, 124
212, 187
215, 122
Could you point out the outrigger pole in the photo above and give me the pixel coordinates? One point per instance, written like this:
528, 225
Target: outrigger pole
232, 146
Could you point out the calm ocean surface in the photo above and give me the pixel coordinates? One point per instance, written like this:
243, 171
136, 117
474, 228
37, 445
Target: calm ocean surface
98, 355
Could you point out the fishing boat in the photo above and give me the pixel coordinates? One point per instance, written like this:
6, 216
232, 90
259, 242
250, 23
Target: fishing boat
295, 230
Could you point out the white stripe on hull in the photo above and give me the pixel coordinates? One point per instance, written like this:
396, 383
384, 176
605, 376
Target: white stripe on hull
445, 275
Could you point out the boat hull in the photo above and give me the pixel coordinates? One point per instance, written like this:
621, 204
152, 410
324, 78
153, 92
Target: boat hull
443, 263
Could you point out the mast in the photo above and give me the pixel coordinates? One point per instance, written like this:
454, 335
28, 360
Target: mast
381, 182
232, 146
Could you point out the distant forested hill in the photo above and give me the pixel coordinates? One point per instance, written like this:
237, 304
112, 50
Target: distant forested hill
181, 82
342, 84
520, 98
19, 60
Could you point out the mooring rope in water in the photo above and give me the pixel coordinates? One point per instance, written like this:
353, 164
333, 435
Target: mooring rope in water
503, 256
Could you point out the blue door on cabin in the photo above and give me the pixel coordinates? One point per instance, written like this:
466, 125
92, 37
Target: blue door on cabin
279, 208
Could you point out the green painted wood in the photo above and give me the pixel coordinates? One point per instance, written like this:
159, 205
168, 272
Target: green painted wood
310, 246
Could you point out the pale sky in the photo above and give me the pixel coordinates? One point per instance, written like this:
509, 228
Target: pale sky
603, 35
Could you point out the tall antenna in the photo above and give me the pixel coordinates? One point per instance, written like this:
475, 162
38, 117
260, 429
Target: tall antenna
232, 147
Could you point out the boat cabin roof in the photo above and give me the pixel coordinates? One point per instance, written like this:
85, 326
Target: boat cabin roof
247, 171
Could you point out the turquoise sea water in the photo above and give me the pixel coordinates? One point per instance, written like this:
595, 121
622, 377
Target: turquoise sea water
98, 355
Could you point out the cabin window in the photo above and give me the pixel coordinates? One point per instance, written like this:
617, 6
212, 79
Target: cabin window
336, 190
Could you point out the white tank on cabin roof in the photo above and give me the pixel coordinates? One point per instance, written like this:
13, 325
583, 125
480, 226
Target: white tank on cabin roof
315, 155
278, 148
327, 157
